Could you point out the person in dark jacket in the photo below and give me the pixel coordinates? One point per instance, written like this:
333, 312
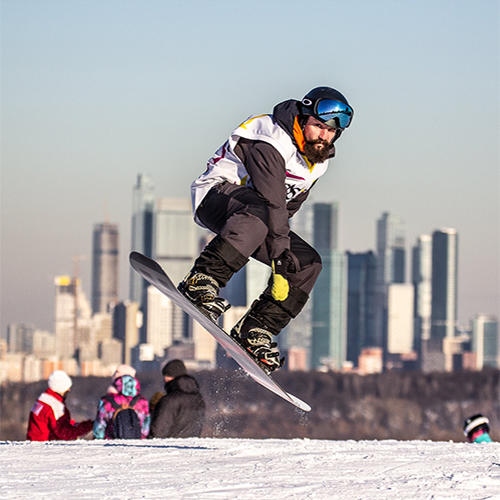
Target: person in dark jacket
181, 412
253, 184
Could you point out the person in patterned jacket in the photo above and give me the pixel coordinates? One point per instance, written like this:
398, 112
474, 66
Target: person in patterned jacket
50, 419
253, 184
123, 390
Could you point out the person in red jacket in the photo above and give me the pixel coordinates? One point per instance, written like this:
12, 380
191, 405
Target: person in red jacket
50, 419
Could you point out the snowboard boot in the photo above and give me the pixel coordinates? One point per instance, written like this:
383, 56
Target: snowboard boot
203, 290
255, 335
212, 270
258, 342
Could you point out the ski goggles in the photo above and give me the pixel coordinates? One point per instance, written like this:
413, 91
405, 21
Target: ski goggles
337, 113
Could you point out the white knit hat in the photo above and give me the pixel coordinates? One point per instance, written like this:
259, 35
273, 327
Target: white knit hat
59, 382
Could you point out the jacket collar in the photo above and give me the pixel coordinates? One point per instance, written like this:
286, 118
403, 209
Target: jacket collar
54, 394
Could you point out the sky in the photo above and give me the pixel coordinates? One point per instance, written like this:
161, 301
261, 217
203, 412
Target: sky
93, 93
245, 469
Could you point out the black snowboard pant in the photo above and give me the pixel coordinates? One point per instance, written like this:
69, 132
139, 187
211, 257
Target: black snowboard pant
240, 218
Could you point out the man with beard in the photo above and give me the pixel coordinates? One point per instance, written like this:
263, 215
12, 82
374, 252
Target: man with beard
253, 184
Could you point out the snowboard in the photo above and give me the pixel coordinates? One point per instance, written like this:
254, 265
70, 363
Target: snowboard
152, 272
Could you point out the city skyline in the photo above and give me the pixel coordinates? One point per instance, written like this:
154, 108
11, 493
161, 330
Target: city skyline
156, 207
343, 307
93, 93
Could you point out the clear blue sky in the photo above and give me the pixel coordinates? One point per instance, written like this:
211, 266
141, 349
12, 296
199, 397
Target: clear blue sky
94, 92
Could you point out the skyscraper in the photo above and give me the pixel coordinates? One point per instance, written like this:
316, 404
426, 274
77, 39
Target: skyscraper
422, 283
142, 231
328, 347
161, 323
176, 237
444, 285
127, 320
399, 318
104, 267
176, 247
390, 249
65, 317
298, 334
72, 317
360, 303
20, 337
485, 341
390, 269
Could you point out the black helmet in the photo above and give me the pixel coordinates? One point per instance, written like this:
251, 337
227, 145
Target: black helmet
475, 423
329, 106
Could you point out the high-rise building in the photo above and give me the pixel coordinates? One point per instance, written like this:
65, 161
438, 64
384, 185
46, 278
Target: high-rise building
390, 269
329, 313
325, 226
400, 318
176, 247
328, 346
176, 237
44, 345
422, 283
390, 249
20, 337
485, 341
142, 231
65, 317
104, 267
444, 286
360, 303
161, 321
72, 317
298, 333
127, 321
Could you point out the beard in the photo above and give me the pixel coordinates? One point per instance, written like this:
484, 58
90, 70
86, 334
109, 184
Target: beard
315, 153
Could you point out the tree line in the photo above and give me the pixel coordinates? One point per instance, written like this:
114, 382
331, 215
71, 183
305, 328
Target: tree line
391, 405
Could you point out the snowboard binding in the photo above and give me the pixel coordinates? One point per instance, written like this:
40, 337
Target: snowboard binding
257, 341
202, 290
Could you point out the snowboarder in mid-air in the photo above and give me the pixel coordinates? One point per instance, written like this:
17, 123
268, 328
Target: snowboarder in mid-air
253, 184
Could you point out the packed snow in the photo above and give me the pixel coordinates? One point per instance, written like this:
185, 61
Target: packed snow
208, 468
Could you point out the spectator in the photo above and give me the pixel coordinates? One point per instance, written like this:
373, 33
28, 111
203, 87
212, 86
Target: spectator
119, 372
181, 412
50, 419
476, 429
123, 413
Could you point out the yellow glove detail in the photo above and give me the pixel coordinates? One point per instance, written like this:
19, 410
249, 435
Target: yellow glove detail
280, 287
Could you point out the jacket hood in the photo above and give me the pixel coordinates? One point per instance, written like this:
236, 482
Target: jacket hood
127, 385
184, 383
286, 114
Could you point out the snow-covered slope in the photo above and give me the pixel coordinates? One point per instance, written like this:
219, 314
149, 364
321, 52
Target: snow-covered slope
249, 469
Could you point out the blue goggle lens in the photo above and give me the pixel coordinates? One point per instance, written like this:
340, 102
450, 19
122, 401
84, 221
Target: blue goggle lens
328, 109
